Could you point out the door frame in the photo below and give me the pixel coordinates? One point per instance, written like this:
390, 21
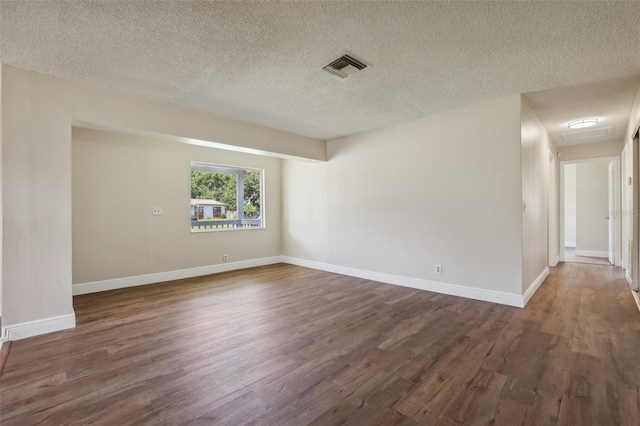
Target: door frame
553, 238
634, 234
613, 213
618, 199
624, 208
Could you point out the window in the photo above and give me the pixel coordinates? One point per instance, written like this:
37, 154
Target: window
226, 198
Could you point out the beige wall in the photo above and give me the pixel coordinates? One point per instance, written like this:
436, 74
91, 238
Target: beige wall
118, 178
592, 202
38, 113
441, 190
591, 150
536, 145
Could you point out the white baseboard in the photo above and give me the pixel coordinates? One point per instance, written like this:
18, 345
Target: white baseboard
511, 299
528, 294
592, 253
628, 277
570, 244
636, 298
113, 284
37, 327
556, 260
500, 297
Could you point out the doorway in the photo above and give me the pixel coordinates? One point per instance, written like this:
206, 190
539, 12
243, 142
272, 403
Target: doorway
554, 256
589, 211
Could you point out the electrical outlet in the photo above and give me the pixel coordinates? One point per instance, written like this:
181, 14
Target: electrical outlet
157, 211
225, 257
439, 269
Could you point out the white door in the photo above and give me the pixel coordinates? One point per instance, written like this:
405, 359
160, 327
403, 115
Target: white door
611, 214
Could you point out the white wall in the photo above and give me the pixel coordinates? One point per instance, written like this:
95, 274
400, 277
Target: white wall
570, 205
38, 113
444, 189
536, 145
118, 178
592, 203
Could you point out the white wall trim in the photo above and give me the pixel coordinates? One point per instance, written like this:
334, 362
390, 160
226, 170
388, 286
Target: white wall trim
113, 284
569, 243
636, 298
592, 253
556, 261
500, 297
528, 294
41, 326
627, 276
503, 298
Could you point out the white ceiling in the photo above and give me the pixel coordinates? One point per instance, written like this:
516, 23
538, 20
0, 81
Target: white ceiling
261, 61
609, 101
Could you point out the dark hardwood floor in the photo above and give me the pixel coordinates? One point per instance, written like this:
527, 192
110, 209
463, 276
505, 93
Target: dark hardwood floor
4, 353
284, 345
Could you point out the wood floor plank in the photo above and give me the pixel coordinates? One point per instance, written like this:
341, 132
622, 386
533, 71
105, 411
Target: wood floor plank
285, 345
628, 398
4, 354
367, 403
479, 398
509, 412
393, 418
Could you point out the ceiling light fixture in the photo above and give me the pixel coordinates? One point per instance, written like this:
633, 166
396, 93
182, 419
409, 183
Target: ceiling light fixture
582, 123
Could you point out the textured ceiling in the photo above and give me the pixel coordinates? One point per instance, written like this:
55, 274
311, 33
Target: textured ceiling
609, 101
260, 61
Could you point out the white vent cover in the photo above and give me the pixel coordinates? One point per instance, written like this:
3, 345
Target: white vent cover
587, 134
344, 66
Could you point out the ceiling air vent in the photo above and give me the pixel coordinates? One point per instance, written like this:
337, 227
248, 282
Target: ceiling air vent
344, 66
587, 134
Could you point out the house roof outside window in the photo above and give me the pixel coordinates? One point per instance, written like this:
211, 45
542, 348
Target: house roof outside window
203, 202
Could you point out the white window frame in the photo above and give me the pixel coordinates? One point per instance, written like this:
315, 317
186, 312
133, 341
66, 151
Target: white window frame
239, 223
